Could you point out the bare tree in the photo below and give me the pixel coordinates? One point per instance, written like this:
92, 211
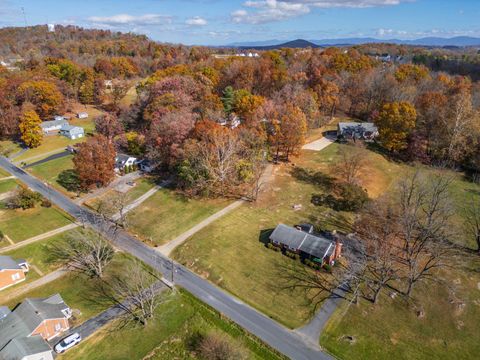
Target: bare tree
472, 221
349, 166
88, 253
137, 292
423, 215
114, 208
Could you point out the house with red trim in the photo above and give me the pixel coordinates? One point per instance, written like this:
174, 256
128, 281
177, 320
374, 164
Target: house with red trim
12, 271
25, 330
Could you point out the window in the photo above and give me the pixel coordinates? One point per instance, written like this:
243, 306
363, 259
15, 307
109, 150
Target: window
15, 276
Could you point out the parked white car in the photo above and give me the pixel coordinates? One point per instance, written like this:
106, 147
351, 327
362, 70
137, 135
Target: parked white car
67, 343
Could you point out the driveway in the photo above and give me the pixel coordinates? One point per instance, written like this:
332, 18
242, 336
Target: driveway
319, 144
272, 333
47, 159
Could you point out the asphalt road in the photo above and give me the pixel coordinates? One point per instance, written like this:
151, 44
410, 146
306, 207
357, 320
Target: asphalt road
277, 336
50, 158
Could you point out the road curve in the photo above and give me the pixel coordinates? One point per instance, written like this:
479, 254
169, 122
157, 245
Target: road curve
272, 333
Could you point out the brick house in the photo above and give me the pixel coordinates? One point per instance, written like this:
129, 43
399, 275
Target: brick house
324, 249
12, 271
24, 332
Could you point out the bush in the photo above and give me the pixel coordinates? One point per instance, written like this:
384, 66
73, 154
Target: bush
69, 180
46, 203
218, 347
349, 197
328, 268
25, 198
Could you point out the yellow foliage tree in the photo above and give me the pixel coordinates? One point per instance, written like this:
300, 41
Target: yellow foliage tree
395, 122
31, 132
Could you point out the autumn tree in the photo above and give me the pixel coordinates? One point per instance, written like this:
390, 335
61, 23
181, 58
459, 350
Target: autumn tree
86, 92
293, 129
472, 221
94, 162
395, 121
30, 130
44, 95
108, 125
245, 104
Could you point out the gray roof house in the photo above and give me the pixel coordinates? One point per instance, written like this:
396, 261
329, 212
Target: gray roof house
302, 240
356, 130
7, 263
25, 330
72, 132
53, 125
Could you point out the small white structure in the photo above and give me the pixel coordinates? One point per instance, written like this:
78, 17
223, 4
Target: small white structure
51, 27
108, 84
72, 132
82, 115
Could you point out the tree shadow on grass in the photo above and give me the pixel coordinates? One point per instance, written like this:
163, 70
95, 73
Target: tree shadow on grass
315, 178
70, 180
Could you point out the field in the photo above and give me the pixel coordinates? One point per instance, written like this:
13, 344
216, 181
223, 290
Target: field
23, 224
7, 185
50, 170
181, 322
167, 214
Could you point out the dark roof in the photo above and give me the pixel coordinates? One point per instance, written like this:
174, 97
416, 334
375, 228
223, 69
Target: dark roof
18, 348
357, 128
312, 244
27, 316
7, 263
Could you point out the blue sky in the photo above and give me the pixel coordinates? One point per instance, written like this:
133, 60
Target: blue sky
214, 22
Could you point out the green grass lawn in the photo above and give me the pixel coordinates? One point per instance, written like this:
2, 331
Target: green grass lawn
179, 323
23, 224
79, 291
141, 187
8, 185
50, 144
392, 329
8, 148
50, 170
167, 214
39, 253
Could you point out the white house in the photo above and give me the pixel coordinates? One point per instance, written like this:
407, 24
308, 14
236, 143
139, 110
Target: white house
53, 125
72, 132
82, 115
123, 160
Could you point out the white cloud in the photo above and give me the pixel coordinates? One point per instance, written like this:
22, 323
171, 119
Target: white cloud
264, 11
196, 21
126, 19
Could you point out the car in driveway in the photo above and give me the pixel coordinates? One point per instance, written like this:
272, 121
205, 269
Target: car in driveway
67, 343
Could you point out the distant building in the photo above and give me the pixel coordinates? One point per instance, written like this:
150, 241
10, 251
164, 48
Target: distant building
12, 271
51, 27
24, 332
82, 115
54, 125
357, 131
72, 132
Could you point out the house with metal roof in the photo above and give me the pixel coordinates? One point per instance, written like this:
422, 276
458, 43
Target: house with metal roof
53, 126
24, 332
72, 132
12, 271
357, 130
303, 241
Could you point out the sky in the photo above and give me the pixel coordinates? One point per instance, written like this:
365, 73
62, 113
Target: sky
216, 22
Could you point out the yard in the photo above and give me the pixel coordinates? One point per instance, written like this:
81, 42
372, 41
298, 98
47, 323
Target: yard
20, 224
181, 322
50, 170
79, 291
7, 185
230, 253
167, 214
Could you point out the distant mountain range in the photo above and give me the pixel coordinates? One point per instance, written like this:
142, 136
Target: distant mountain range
460, 41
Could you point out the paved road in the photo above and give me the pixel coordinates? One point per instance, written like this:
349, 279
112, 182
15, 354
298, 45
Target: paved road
47, 159
280, 338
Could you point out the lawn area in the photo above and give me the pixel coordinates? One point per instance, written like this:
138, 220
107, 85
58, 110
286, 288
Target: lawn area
23, 224
51, 144
8, 148
167, 214
7, 185
392, 330
179, 324
39, 253
141, 187
50, 170
78, 290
